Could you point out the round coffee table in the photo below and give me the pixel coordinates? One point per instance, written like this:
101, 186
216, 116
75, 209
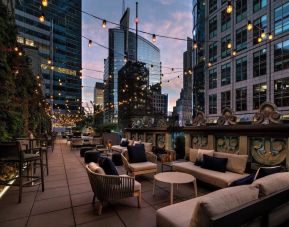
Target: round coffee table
174, 178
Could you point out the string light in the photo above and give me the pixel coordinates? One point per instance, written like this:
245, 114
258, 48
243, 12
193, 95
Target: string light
154, 38
249, 26
270, 36
195, 45
229, 7
234, 53
209, 64
125, 59
104, 23
173, 69
49, 61
45, 3
229, 45
90, 43
16, 49
259, 39
20, 53
41, 18
263, 34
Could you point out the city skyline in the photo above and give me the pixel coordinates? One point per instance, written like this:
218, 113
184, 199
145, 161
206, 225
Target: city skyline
180, 26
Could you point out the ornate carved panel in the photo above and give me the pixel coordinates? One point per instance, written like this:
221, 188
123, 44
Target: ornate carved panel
140, 137
134, 136
268, 151
199, 141
160, 140
150, 138
227, 118
228, 144
267, 114
200, 119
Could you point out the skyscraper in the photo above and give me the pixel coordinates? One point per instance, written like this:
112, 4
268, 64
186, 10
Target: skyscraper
58, 40
98, 94
184, 104
122, 47
246, 57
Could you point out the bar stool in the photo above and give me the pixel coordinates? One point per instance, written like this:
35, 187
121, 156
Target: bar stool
40, 145
11, 153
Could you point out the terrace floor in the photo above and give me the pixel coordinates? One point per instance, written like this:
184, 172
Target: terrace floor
67, 198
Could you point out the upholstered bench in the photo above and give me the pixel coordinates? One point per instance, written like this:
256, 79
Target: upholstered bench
91, 156
83, 150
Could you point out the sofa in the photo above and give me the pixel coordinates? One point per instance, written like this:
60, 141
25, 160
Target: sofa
235, 168
263, 203
121, 149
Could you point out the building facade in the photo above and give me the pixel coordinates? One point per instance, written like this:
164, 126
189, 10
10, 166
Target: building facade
122, 48
198, 57
58, 40
184, 105
98, 94
246, 66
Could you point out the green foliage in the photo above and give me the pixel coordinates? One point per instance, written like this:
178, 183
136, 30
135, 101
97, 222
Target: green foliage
21, 107
106, 127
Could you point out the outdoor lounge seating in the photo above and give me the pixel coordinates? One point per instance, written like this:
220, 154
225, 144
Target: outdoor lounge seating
267, 198
235, 169
11, 153
111, 187
76, 142
150, 166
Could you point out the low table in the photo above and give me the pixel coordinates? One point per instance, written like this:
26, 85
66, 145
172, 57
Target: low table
175, 178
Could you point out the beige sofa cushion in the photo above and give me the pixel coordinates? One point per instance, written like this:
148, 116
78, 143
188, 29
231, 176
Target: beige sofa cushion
96, 168
176, 215
118, 148
148, 147
201, 152
193, 155
216, 178
221, 201
142, 166
236, 163
272, 183
130, 142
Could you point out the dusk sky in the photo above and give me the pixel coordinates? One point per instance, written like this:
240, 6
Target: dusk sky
166, 17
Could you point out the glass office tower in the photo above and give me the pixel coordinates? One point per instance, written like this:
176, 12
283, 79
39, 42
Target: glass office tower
147, 53
58, 40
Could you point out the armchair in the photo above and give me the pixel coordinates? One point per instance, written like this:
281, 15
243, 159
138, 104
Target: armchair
142, 167
111, 187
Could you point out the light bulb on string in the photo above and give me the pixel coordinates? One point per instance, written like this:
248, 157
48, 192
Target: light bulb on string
154, 38
90, 43
173, 69
249, 26
234, 53
259, 39
20, 53
263, 34
104, 23
229, 45
229, 8
16, 49
41, 18
270, 36
49, 61
44, 3
209, 64
125, 59
195, 45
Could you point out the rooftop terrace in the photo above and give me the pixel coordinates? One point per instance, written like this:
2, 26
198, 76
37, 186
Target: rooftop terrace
67, 199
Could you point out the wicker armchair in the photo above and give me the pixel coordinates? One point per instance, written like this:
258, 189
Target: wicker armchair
110, 187
140, 168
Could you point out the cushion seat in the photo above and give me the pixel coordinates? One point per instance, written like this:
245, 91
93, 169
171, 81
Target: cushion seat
215, 178
177, 215
142, 166
119, 148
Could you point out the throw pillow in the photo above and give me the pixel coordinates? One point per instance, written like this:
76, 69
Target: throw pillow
214, 163
201, 152
266, 171
272, 183
96, 168
124, 143
221, 201
243, 181
108, 166
193, 155
136, 153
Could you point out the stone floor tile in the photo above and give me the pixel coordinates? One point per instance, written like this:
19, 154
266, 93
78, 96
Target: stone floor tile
107, 222
21, 222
